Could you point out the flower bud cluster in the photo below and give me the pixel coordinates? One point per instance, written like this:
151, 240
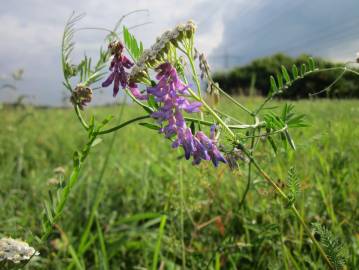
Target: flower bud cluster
155, 55
81, 96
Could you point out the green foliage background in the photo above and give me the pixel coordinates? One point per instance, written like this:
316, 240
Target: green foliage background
142, 182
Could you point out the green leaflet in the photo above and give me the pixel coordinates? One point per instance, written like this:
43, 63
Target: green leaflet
134, 47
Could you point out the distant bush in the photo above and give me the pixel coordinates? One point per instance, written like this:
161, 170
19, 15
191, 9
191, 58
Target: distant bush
256, 75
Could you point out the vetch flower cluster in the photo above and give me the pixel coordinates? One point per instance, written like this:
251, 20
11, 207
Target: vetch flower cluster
119, 75
171, 93
15, 251
155, 55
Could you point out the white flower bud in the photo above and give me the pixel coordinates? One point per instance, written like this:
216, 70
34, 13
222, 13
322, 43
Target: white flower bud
181, 27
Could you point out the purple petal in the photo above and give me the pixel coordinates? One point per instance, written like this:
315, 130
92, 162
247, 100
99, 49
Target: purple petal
126, 62
213, 132
193, 107
109, 80
116, 85
136, 92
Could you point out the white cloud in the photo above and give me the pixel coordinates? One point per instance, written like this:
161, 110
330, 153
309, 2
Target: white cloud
31, 30
31, 33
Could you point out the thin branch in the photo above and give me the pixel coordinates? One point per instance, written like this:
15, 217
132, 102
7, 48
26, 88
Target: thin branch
123, 125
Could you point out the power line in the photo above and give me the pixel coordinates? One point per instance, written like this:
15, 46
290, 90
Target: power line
266, 24
342, 31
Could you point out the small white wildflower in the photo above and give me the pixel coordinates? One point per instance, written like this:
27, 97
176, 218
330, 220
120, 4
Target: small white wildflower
144, 56
152, 55
158, 46
16, 251
135, 71
174, 34
166, 36
191, 25
181, 27
138, 71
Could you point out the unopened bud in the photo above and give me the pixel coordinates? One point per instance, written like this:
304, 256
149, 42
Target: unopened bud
116, 47
190, 28
203, 66
81, 96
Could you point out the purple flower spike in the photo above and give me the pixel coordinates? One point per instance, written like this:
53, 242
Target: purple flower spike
170, 92
118, 67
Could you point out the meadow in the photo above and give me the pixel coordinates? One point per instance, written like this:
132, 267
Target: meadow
138, 202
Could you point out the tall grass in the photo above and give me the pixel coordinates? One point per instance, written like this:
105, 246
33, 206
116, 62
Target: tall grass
206, 225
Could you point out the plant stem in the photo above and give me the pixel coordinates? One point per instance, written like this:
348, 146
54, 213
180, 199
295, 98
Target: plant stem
249, 177
219, 119
293, 208
306, 228
123, 125
232, 99
182, 218
66, 191
79, 115
157, 251
194, 73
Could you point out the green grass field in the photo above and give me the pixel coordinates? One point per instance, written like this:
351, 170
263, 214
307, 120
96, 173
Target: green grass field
132, 180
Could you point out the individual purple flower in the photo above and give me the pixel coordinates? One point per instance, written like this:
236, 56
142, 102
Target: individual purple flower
185, 139
200, 152
210, 146
119, 64
136, 92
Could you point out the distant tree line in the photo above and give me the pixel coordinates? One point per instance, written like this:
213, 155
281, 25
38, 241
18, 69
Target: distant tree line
254, 79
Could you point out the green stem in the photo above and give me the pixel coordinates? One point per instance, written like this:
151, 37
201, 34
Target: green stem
123, 125
306, 228
267, 134
194, 73
232, 99
157, 251
208, 123
228, 116
219, 119
79, 116
66, 191
182, 218
249, 173
293, 208
213, 113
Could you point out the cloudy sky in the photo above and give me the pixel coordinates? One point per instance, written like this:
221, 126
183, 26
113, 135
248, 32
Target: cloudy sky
231, 32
